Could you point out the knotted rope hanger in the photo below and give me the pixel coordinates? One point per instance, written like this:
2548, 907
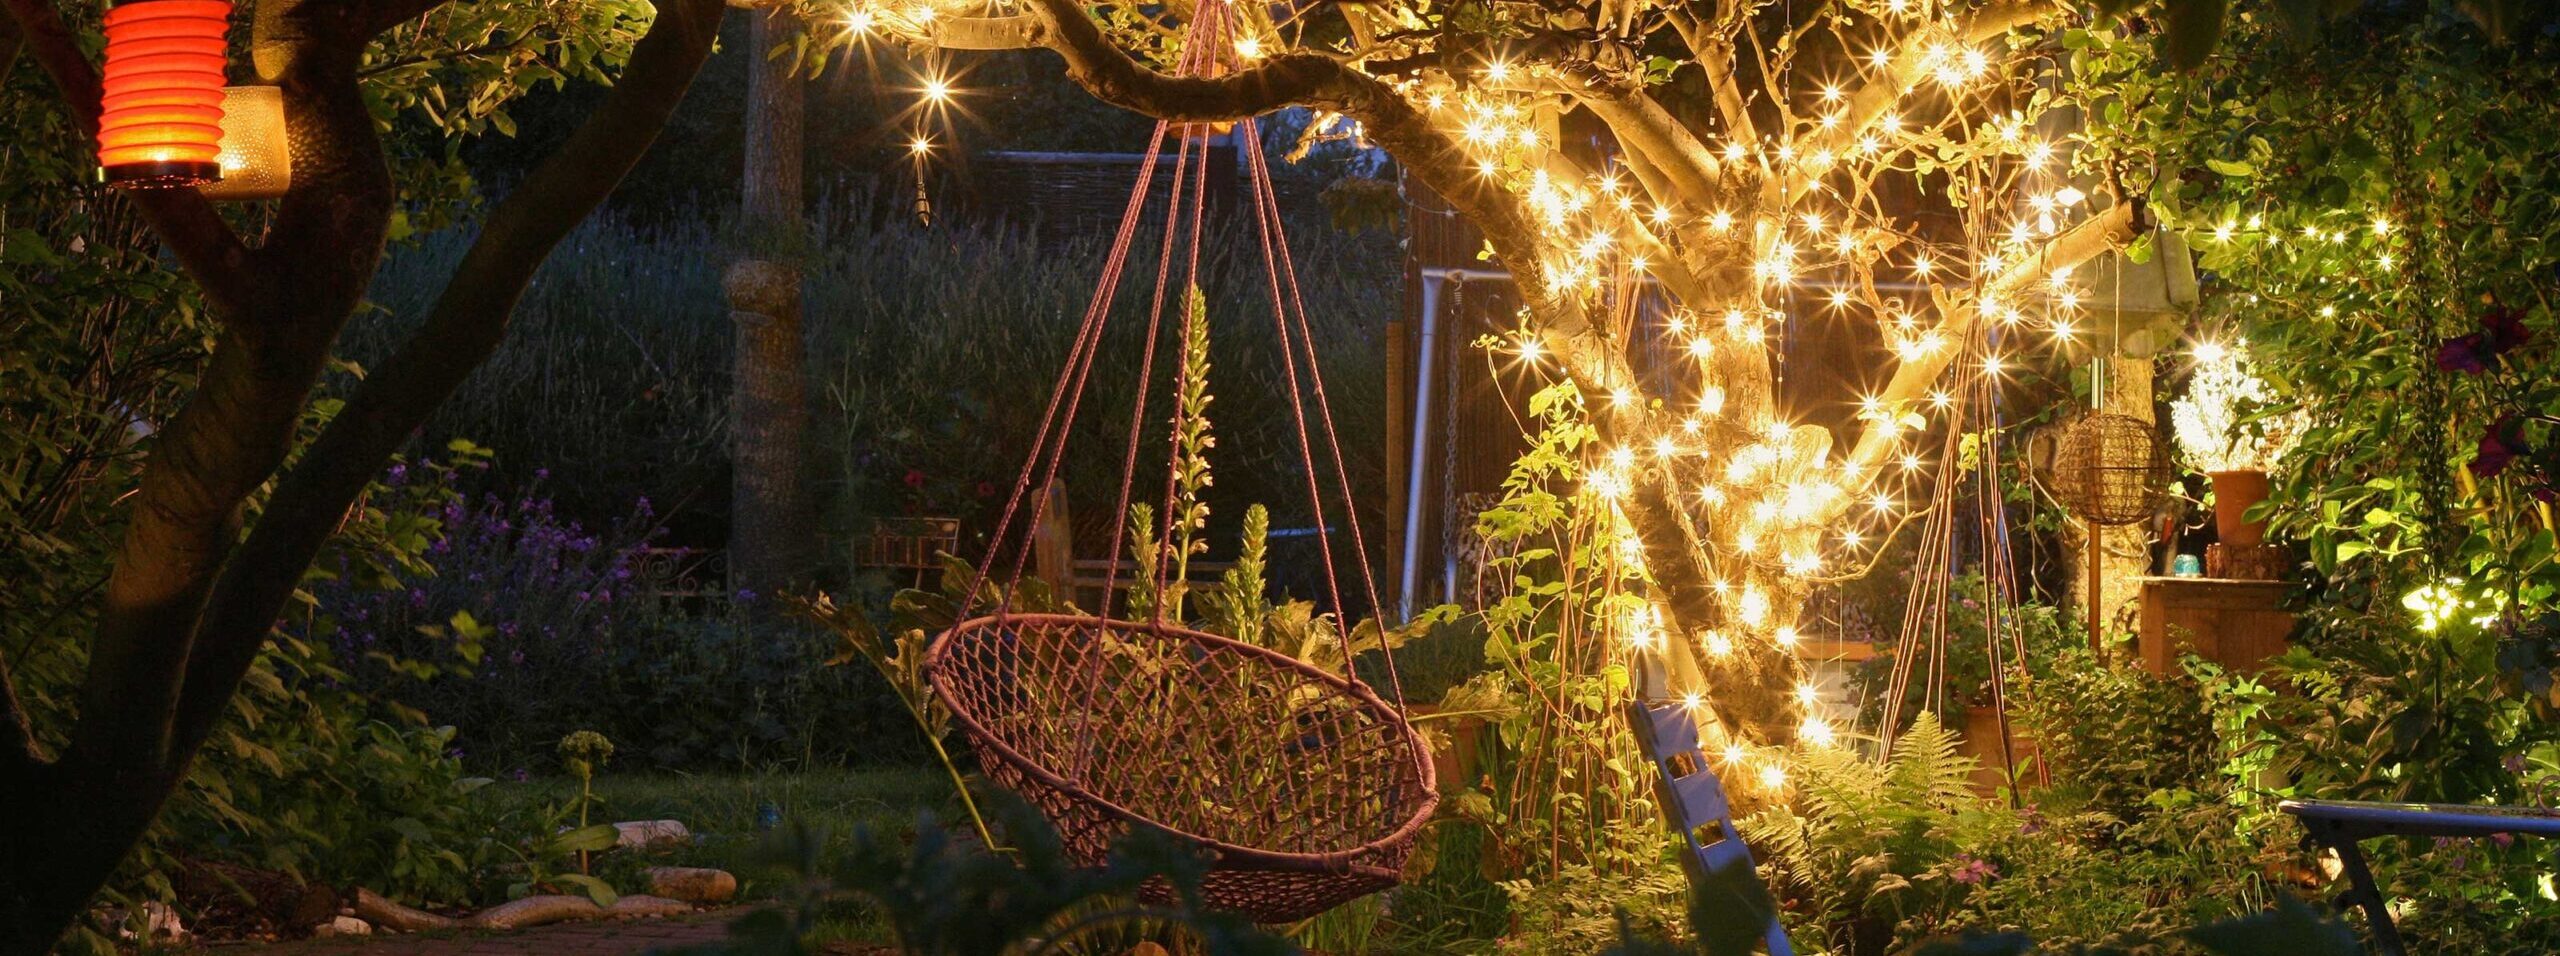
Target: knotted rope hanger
1208, 34
1301, 787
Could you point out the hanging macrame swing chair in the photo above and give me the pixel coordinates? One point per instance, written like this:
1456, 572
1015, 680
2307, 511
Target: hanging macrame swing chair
1302, 788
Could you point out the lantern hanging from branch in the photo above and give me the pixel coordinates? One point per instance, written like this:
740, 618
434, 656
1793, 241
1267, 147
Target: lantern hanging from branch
2109, 470
161, 119
257, 159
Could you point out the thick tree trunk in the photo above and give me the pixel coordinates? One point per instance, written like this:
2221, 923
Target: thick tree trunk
772, 539
189, 605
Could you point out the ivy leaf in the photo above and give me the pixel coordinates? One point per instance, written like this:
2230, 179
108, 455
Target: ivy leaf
2230, 168
2192, 29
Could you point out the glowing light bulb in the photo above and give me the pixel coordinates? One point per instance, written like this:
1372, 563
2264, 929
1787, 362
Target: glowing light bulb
1817, 732
1773, 777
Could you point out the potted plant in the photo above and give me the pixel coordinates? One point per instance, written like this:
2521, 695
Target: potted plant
1967, 702
2230, 426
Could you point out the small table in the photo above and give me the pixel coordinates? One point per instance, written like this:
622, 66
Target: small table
2341, 824
2237, 624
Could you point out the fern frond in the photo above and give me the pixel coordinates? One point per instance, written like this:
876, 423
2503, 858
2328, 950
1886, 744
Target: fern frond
1926, 770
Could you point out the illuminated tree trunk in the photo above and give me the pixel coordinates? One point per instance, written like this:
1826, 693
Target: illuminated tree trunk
1709, 572
772, 533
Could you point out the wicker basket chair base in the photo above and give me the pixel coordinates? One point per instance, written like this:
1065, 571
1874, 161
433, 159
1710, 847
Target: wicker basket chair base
1303, 790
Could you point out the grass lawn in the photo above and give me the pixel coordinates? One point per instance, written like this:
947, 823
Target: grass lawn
721, 810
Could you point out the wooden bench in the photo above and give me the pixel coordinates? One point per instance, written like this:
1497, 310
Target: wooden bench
1092, 574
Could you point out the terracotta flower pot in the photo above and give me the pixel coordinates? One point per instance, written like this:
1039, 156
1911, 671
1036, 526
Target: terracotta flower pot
2233, 493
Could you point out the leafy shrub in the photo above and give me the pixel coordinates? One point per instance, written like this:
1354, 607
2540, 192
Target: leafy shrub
1877, 851
2112, 736
521, 626
2049, 635
942, 896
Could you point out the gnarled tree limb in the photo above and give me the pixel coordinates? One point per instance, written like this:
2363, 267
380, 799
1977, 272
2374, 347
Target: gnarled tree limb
466, 324
2089, 239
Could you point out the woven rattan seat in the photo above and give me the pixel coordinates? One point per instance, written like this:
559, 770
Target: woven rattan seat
1302, 788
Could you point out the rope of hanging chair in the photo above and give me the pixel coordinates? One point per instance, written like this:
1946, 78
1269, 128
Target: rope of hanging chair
1049, 446
1079, 360
1267, 216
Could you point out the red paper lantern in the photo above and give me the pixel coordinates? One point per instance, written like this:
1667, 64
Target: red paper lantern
162, 120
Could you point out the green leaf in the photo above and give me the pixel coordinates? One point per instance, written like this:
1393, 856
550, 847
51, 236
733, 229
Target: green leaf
586, 839
597, 890
2191, 31
2230, 168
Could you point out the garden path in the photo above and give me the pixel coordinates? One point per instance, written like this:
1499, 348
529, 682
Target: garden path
622, 937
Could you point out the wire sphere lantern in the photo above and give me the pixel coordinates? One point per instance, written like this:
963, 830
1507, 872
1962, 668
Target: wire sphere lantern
160, 124
2110, 469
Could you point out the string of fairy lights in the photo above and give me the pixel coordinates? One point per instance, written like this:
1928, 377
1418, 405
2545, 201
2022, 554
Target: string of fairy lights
1821, 203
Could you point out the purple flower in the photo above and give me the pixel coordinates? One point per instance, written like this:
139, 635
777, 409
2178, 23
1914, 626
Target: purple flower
1973, 869
2467, 355
2502, 329
2505, 329
519, 775
2499, 448
745, 596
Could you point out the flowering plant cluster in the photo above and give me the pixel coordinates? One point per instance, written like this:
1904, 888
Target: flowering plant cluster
2519, 439
2230, 419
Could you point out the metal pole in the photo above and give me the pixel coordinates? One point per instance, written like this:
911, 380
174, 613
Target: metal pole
1426, 354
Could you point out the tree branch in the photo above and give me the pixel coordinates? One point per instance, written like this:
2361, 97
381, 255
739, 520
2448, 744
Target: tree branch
11, 39
19, 753
1644, 126
203, 243
2089, 239
1871, 101
467, 323
382, 15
